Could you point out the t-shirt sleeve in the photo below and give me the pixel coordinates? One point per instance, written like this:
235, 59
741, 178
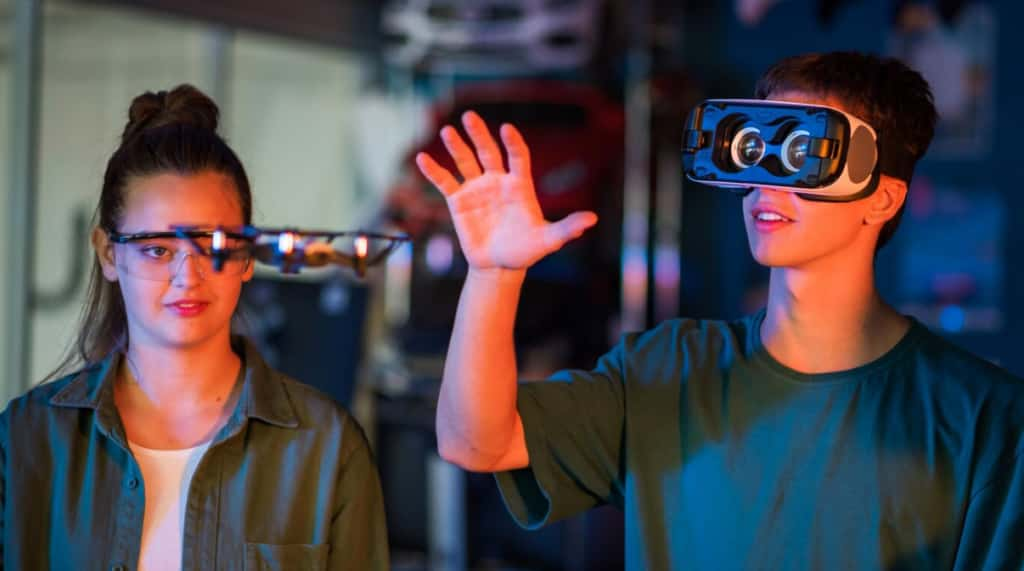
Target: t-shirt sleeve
574, 424
994, 525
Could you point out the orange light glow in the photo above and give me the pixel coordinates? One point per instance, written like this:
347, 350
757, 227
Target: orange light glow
362, 246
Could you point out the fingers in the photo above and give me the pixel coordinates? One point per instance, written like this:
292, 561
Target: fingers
460, 152
569, 228
487, 152
486, 148
518, 152
436, 174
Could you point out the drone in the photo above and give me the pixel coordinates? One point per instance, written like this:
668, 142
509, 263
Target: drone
291, 249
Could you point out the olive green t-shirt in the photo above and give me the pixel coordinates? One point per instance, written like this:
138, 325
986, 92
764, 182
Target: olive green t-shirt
723, 458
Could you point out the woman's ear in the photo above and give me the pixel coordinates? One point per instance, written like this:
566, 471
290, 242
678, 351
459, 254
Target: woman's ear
104, 253
250, 270
886, 201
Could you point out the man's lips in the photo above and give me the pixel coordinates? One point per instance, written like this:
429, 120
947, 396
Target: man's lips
765, 213
769, 219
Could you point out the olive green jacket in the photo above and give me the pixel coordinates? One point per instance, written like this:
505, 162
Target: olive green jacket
289, 482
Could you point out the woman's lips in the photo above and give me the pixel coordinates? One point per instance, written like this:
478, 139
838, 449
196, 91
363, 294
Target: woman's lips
188, 308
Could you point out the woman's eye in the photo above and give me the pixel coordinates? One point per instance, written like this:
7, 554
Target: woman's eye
155, 252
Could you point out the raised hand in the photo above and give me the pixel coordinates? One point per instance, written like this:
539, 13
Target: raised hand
496, 214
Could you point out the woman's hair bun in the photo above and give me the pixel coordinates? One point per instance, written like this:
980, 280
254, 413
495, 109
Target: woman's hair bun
183, 105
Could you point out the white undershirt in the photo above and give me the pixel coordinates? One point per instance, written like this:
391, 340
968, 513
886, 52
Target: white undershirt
166, 475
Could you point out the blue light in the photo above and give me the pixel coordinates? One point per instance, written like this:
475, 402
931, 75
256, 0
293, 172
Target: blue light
952, 318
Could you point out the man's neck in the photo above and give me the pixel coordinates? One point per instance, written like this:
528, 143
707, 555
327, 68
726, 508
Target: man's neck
828, 317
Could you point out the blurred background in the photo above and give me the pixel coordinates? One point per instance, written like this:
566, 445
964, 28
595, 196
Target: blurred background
327, 101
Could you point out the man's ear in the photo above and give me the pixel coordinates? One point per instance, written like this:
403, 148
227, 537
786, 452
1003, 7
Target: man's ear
104, 253
886, 201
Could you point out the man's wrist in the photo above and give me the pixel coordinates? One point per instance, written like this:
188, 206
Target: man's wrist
497, 276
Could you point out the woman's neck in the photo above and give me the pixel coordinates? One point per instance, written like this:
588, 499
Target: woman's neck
180, 378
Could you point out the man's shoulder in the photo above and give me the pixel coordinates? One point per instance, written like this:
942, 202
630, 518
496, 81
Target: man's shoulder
966, 391
676, 348
982, 401
700, 329
947, 361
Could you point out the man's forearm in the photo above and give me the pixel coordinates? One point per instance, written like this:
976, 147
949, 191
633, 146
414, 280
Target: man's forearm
478, 426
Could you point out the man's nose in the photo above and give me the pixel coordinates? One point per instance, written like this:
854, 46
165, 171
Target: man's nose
769, 191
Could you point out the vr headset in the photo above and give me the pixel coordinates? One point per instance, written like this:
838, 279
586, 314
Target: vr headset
818, 152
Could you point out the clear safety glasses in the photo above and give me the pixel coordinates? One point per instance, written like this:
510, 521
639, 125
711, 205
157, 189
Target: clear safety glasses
159, 256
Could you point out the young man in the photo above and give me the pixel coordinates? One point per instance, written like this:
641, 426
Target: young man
826, 431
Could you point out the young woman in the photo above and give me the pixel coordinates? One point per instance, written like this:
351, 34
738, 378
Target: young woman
176, 446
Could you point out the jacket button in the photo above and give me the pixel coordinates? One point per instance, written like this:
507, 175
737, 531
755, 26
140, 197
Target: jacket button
117, 568
132, 484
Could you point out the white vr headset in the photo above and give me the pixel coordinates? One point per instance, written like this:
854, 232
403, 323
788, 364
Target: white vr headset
819, 152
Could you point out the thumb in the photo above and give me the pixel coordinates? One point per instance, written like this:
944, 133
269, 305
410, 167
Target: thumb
569, 228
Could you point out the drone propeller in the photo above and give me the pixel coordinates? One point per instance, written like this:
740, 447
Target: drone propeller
291, 249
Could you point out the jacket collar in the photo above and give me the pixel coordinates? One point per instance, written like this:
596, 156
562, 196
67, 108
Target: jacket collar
264, 395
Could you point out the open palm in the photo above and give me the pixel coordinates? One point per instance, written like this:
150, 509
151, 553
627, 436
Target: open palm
495, 211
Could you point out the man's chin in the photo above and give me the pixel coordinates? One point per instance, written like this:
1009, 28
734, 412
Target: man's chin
775, 259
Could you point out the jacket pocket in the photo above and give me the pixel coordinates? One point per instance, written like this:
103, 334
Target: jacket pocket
293, 557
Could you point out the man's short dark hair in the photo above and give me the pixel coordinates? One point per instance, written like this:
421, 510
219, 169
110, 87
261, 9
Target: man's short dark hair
890, 96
